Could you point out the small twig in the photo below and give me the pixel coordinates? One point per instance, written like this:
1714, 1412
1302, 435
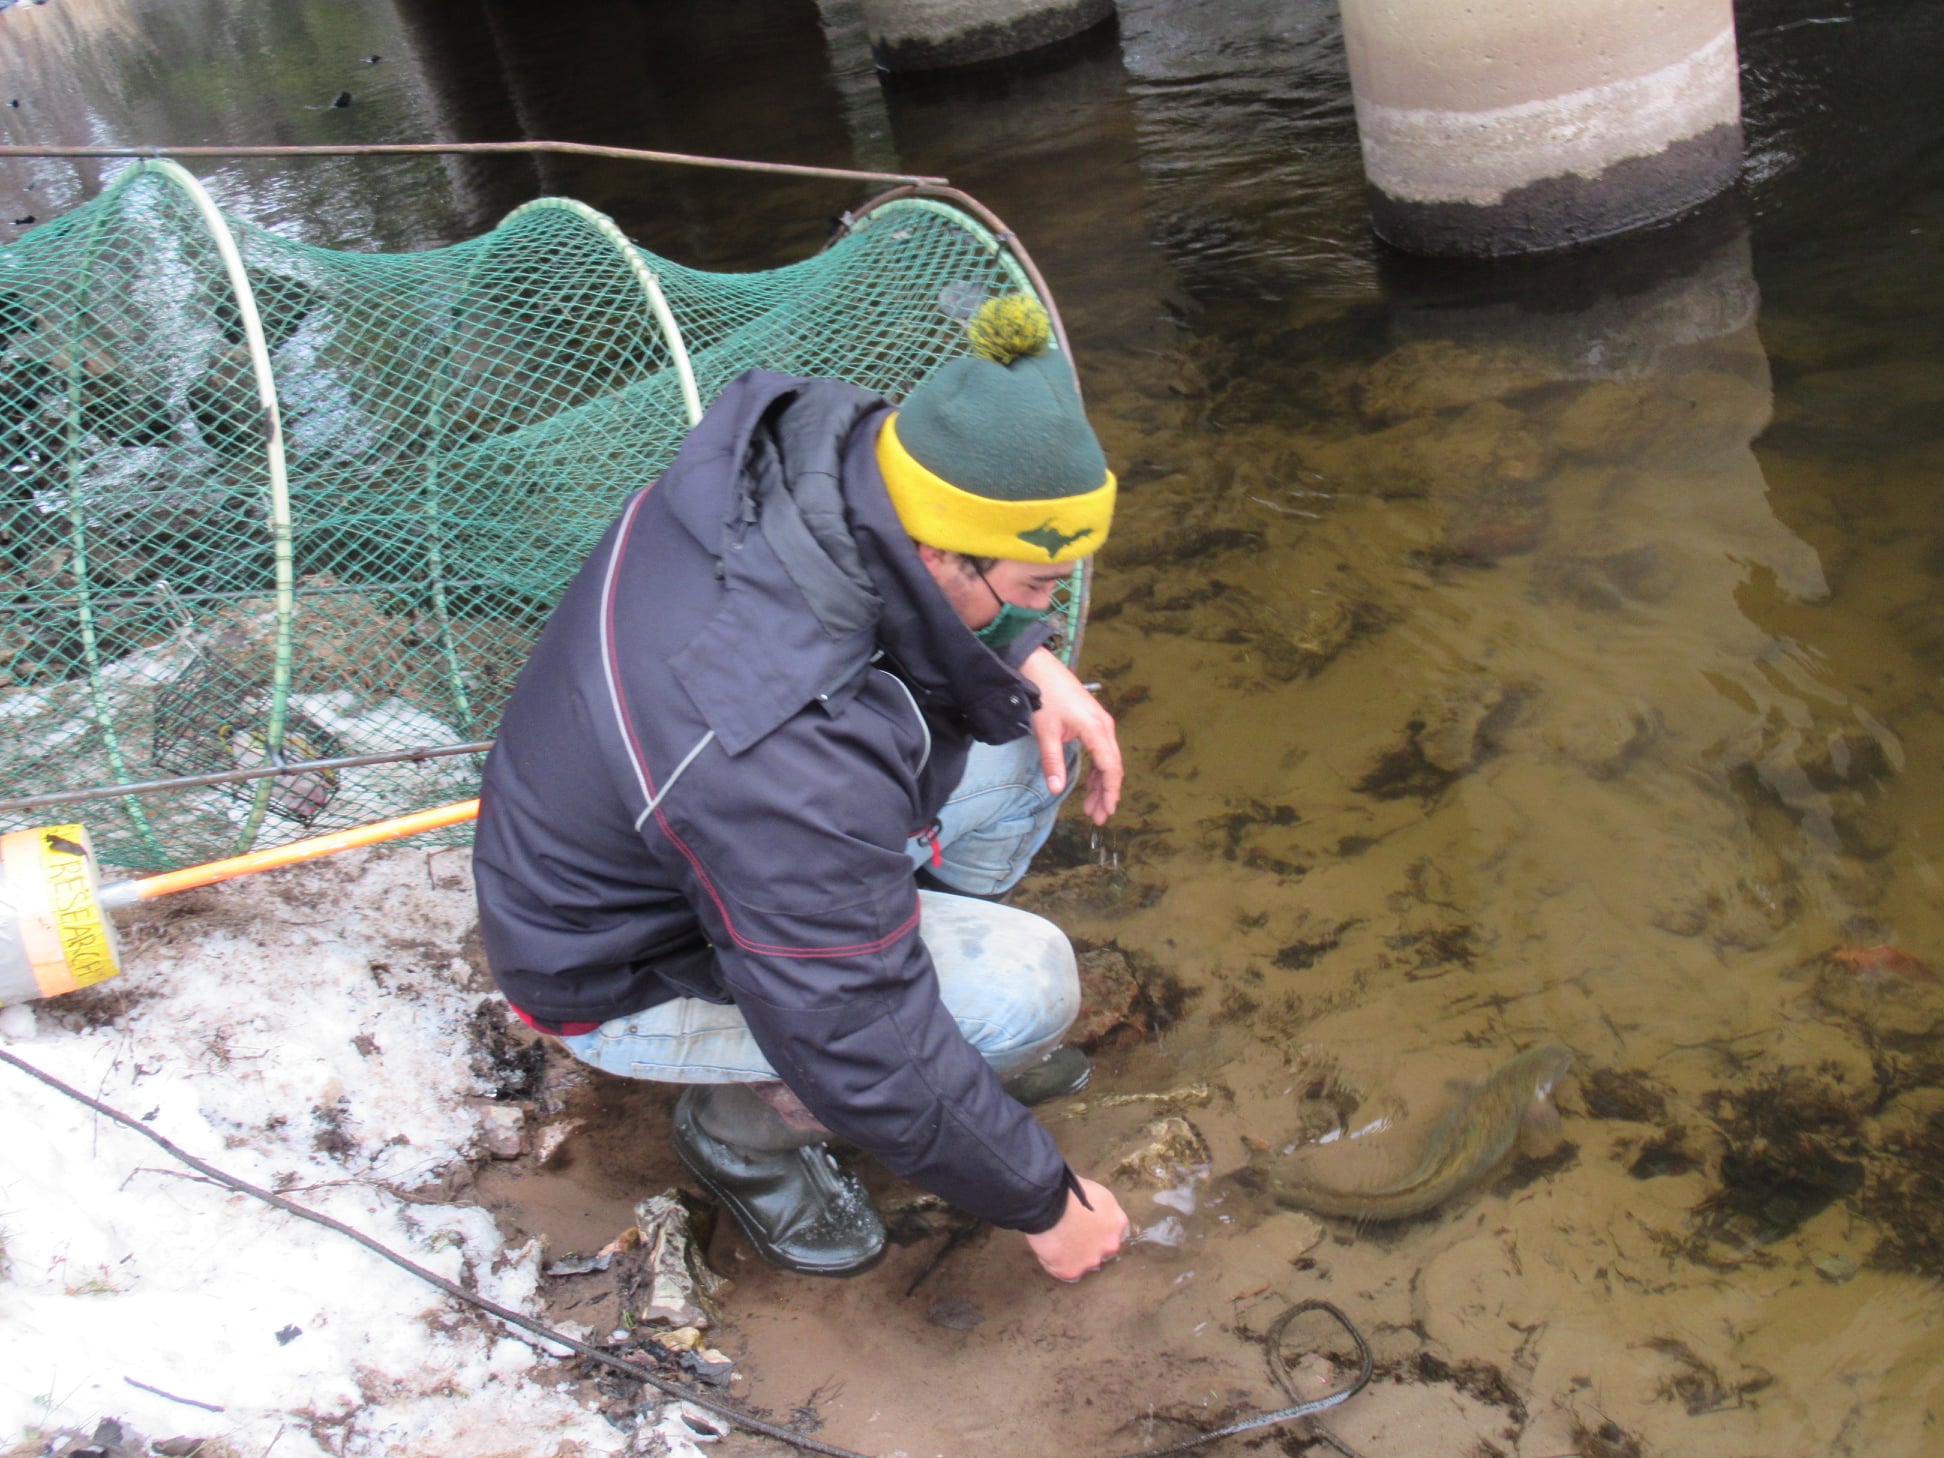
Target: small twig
325, 1185
1715, 1044
951, 1243
94, 1131
273, 1442
185, 1401
1286, 510
174, 1174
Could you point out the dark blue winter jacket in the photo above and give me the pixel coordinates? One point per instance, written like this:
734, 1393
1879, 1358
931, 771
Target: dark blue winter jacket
747, 702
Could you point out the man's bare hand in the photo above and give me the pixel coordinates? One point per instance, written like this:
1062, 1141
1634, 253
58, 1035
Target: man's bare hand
1084, 1239
1066, 712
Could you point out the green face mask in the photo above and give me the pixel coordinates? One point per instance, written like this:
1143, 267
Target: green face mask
1003, 631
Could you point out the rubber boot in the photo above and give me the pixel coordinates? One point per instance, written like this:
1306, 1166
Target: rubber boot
798, 1209
928, 882
1063, 1071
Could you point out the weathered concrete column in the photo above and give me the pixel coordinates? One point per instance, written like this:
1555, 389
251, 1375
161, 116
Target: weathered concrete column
1502, 126
929, 35
853, 71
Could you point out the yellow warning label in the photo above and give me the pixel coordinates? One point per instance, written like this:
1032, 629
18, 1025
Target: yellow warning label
87, 944
66, 939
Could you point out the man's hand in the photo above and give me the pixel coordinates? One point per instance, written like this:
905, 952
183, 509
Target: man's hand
1067, 711
1084, 1239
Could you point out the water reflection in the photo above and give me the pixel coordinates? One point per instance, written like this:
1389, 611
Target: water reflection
693, 79
1055, 134
1248, 147
131, 72
1627, 496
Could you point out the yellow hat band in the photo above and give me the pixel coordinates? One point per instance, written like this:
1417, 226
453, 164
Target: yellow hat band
939, 514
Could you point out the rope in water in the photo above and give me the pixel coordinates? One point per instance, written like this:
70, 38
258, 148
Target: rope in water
729, 1412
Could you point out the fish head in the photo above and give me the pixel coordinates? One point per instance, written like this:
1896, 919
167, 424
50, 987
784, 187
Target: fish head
1549, 1064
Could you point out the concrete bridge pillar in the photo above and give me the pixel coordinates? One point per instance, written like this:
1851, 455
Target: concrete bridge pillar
930, 35
1503, 126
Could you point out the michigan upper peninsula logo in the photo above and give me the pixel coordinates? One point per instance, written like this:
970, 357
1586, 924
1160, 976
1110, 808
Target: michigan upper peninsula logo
1050, 539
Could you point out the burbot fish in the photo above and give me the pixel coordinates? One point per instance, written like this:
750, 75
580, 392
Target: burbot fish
1510, 1106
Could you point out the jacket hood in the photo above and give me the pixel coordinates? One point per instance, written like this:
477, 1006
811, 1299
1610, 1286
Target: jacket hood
804, 461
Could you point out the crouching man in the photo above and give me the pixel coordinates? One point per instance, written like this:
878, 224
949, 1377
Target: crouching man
790, 734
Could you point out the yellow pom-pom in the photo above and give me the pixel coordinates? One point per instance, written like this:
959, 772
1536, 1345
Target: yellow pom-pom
1009, 327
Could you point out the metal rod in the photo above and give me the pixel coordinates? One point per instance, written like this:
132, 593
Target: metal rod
411, 149
118, 894
233, 777
147, 596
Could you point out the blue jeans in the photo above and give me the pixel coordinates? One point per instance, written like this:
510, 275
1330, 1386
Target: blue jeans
997, 819
1007, 976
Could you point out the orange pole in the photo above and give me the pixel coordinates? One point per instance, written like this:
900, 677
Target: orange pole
125, 893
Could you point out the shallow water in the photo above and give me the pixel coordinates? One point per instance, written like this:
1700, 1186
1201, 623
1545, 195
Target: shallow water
1540, 652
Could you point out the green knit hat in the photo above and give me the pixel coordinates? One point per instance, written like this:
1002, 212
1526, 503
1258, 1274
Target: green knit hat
992, 454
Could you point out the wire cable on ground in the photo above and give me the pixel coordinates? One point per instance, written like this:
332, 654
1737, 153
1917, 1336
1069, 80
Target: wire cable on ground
729, 1412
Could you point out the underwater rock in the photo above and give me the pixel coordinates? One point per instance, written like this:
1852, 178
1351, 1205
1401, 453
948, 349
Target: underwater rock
1304, 646
1887, 992
1867, 829
1608, 582
1094, 890
1114, 1007
1489, 445
955, 1313
1838, 1270
1450, 735
1745, 909
1459, 728
1169, 1152
1847, 756
1831, 777
1501, 519
1293, 1232
1604, 737
1428, 376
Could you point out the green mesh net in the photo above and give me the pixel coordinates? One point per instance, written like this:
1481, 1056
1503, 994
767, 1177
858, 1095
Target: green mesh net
270, 504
